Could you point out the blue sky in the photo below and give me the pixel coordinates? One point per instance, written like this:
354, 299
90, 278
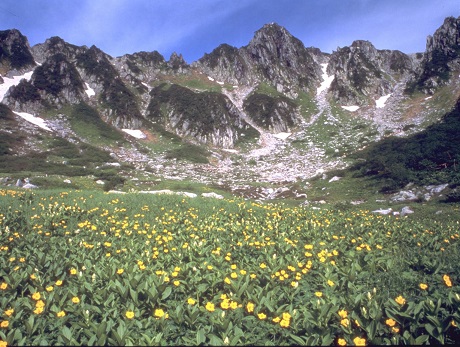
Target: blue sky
196, 27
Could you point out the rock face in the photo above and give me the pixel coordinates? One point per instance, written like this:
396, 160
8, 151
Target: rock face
15, 55
362, 72
275, 114
273, 56
208, 117
55, 83
441, 56
269, 85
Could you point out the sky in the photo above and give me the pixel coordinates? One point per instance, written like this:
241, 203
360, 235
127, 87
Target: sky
195, 27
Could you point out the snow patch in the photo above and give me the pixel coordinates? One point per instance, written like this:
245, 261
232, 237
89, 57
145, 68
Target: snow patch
351, 108
428, 98
8, 82
34, 120
210, 78
221, 83
138, 134
230, 150
282, 136
89, 91
327, 80
380, 102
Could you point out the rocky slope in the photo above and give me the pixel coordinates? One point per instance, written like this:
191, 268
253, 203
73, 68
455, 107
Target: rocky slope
271, 112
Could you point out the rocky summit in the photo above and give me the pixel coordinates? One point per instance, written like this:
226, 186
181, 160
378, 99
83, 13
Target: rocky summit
260, 120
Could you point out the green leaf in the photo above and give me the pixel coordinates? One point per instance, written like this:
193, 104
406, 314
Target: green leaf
214, 340
298, 340
200, 337
166, 293
67, 333
371, 329
420, 340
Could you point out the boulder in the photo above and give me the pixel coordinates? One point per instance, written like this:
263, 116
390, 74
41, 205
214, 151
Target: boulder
212, 195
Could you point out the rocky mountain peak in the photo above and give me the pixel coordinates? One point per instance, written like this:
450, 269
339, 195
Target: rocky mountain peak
55, 45
442, 55
177, 63
15, 56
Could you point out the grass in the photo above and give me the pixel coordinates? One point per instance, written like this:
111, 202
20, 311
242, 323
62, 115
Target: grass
91, 268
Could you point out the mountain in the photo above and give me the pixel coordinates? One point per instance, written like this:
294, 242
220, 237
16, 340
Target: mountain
269, 114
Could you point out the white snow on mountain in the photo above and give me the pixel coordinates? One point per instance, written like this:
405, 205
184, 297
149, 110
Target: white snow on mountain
327, 80
351, 108
34, 120
138, 134
380, 102
89, 91
8, 82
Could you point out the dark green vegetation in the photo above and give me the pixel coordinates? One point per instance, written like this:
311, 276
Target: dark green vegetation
188, 151
91, 268
429, 157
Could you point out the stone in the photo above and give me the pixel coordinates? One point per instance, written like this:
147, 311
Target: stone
406, 210
212, 195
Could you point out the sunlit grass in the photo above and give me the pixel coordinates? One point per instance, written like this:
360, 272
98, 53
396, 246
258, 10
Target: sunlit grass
91, 268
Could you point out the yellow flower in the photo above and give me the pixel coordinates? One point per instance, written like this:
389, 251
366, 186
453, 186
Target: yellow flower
176, 283
120, 271
36, 296
250, 307
233, 266
129, 314
253, 276
210, 307
38, 310
40, 304
276, 320
4, 324
59, 283
318, 294
343, 313
234, 275
400, 300
75, 300
390, 322
49, 288
330, 283
345, 322
225, 304
285, 323
233, 305
3, 286
9, 312
32, 276
263, 266
159, 313
286, 316
262, 316
227, 280
3, 343
341, 342
359, 341
294, 284
174, 274
453, 323
395, 330
60, 314
73, 271
423, 286
447, 280
191, 301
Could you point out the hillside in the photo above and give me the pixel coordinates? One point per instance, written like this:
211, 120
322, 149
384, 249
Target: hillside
272, 119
